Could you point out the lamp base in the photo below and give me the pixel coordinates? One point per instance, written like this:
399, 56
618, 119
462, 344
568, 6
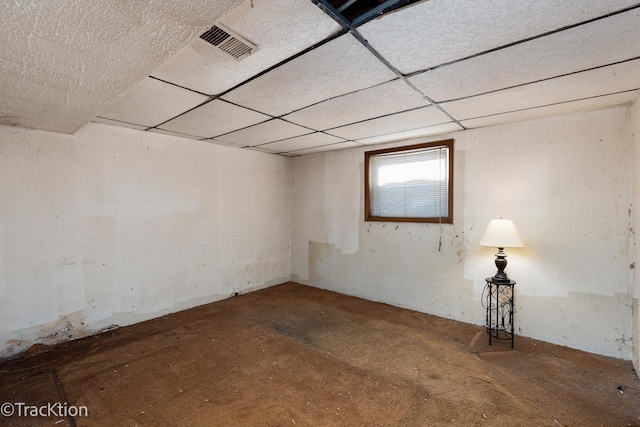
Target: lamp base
500, 278
501, 263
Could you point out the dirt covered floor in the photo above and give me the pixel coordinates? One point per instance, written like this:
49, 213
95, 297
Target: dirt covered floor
298, 356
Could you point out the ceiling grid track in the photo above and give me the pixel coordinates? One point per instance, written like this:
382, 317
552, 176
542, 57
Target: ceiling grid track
560, 103
544, 80
347, 26
525, 40
181, 87
403, 78
281, 63
257, 95
181, 114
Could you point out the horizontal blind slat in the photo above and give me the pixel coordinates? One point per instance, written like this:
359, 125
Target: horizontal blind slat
410, 184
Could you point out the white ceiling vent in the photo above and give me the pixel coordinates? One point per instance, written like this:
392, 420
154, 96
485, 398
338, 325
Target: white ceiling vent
229, 42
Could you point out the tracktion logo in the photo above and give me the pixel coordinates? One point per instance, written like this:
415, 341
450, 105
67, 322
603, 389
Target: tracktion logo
55, 409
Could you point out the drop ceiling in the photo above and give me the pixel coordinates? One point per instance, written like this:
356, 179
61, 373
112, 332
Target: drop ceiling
317, 80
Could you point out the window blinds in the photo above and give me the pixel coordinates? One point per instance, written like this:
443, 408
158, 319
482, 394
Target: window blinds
410, 184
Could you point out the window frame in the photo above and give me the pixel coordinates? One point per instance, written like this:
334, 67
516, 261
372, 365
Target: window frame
367, 187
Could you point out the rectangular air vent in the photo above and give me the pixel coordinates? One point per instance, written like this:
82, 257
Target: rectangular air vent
228, 42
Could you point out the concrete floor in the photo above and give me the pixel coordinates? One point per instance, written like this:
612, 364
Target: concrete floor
298, 356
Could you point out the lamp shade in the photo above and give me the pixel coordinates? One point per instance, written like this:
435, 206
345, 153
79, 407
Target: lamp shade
501, 233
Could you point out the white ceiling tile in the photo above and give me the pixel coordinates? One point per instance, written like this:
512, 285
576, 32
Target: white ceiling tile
214, 118
408, 120
263, 133
602, 81
414, 133
552, 110
373, 102
576, 49
117, 123
178, 134
332, 147
152, 102
439, 31
300, 142
335, 68
280, 29
65, 62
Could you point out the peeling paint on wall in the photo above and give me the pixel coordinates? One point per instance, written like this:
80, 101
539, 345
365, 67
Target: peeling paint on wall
566, 183
634, 119
113, 226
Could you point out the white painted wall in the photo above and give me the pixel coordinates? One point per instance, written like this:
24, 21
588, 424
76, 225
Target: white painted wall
635, 134
113, 226
566, 181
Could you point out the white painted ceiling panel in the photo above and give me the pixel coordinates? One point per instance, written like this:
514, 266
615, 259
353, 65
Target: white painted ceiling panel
293, 25
576, 49
419, 118
552, 110
601, 81
64, 62
213, 119
332, 147
301, 142
369, 103
439, 31
273, 130
162, 101
335, 68
414, 133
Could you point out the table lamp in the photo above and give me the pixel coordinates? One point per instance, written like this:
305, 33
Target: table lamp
501, 233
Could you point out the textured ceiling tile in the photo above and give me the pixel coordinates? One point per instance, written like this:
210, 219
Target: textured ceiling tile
64, 62
32, 105
117, 123
576, 49
414, 119
214, 118
439, 31
552, 110
414, 133
377, 101
178, 134
300, 142
325, 148
280, 29
602, 81
152, 102
263, 133
335, 68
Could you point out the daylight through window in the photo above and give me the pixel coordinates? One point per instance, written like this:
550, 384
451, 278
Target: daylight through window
412, 183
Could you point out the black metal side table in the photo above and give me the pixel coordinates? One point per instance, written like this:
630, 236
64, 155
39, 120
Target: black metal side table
500, 309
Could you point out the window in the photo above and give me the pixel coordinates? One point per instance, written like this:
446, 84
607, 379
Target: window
410, 184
